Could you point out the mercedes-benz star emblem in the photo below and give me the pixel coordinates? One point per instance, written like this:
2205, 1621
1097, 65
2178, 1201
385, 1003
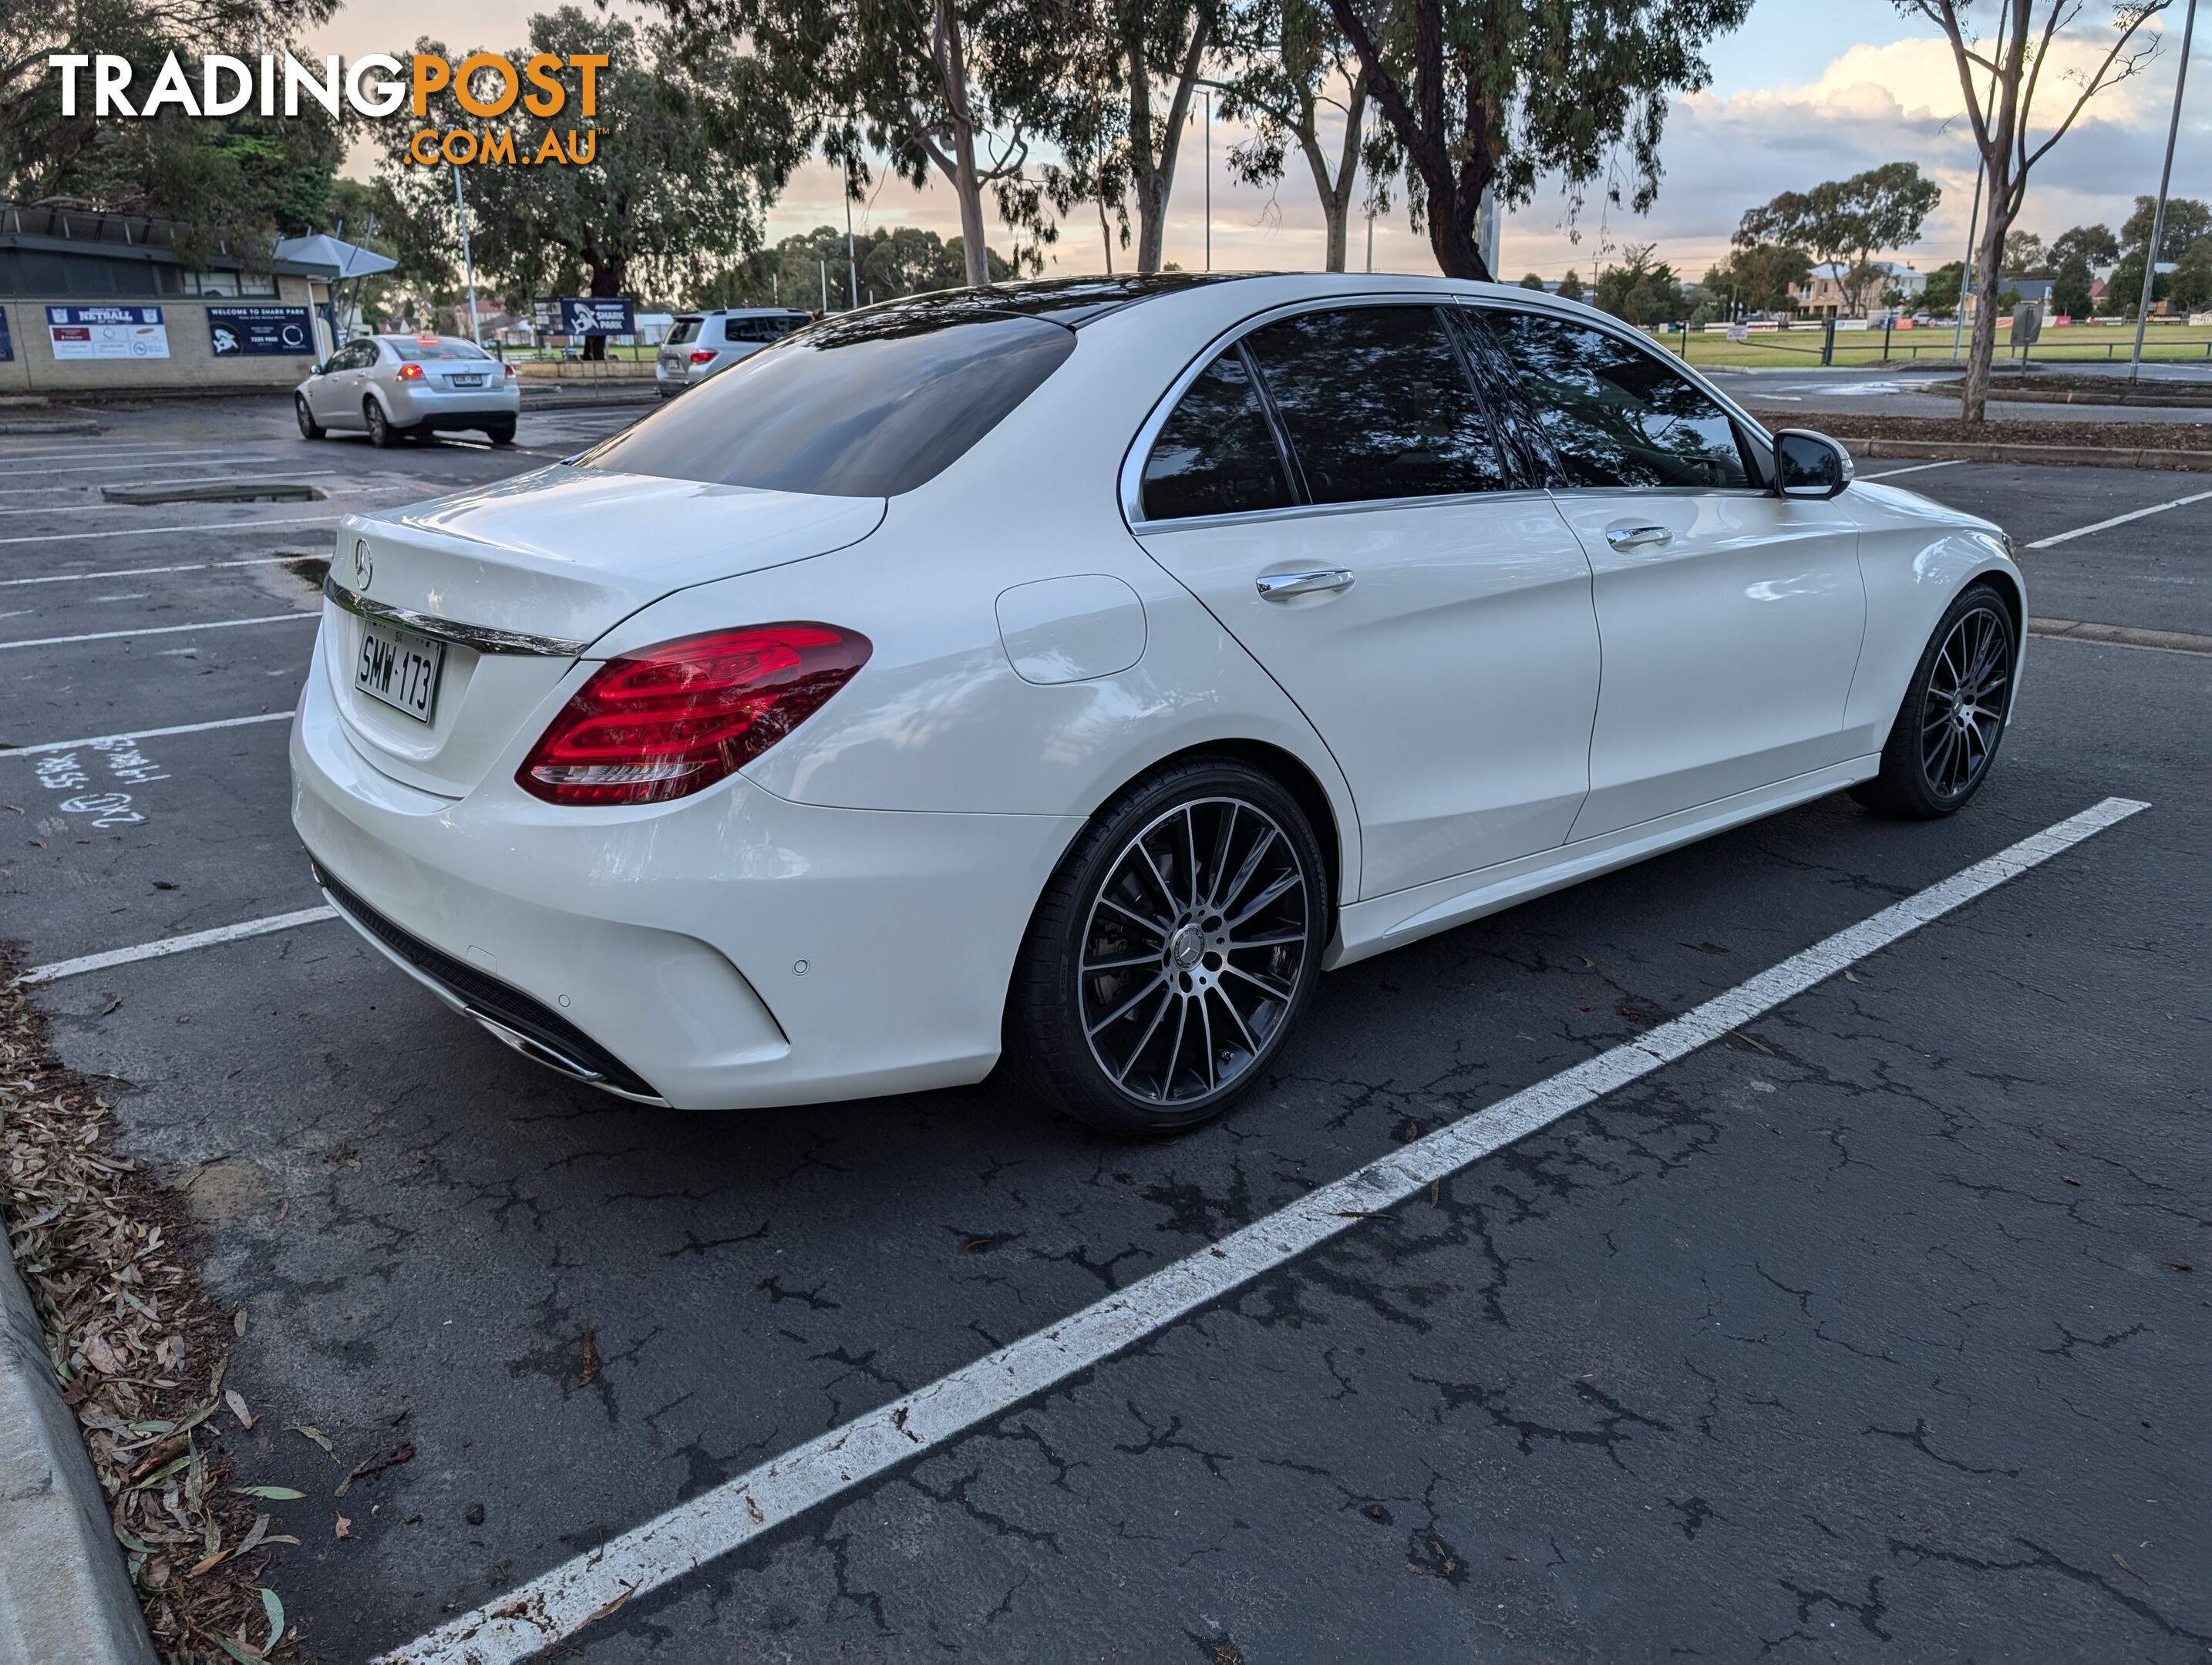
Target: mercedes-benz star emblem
364, 568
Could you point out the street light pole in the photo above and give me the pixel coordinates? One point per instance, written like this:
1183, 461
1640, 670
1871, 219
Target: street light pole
1209, 180
852, 259
468, 264
2165, 179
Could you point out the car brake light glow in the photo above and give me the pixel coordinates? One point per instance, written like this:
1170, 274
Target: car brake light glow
410, 373
428, 340
670, 720
510, 372
702, 355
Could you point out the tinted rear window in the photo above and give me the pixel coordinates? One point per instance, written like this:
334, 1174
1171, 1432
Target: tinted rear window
866, 406
761, 329
1377, 404
1215, 454
414, 352
687, 329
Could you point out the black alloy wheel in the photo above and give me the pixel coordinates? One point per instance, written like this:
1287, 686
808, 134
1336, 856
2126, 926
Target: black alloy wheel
309, 428
1953, 717
1173, 949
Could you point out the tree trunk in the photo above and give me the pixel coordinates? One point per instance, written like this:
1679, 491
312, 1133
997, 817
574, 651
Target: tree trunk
953, 72
1336, 193
1153, 177
1453, 193
1988, 267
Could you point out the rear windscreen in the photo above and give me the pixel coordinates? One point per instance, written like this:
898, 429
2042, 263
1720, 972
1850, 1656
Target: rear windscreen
869, 404
687, 329
413, 352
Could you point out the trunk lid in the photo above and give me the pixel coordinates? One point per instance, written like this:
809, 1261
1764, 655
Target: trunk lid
561, 554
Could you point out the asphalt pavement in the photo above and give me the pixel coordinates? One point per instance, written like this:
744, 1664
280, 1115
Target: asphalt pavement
1876, 1328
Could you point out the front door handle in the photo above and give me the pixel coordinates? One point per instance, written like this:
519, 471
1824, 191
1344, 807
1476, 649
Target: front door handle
1281, 587
1629, 536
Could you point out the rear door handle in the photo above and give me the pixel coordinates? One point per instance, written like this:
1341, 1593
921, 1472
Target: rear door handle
1281, 587
1627, 536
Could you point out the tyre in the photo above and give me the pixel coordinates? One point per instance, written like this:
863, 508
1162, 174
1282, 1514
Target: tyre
381, 433
1953, 716
309, 428
501, 433
1173, 950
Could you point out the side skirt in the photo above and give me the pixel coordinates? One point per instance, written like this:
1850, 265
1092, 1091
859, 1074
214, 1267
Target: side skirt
1370, 927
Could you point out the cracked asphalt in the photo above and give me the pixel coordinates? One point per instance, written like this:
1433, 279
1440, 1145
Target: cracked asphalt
1865, 1334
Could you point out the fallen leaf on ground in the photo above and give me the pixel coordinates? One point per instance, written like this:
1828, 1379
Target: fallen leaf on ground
369, 1466
590, 1361
314, 1434
232, 1398
346, 1527
600, 1613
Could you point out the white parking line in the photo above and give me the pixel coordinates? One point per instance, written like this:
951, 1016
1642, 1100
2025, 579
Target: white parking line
168, 945
83, 458
2119, 520
147, 532
212, 460
143, 571
528, 1618
1887, 473
163, 630
143, 734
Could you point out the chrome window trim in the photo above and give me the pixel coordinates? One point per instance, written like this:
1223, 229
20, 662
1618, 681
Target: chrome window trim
1365, 506
1133, 459
482, 637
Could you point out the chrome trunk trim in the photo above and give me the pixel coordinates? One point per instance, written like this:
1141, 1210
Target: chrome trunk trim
482, 637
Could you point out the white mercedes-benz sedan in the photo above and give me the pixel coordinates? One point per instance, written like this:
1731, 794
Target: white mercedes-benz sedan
1068, 673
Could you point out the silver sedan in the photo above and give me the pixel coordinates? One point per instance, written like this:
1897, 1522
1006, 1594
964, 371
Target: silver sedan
415, 386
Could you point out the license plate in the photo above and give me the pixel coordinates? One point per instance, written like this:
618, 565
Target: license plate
399, 668
464, 381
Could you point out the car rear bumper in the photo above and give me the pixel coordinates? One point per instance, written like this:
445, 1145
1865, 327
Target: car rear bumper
456, 407
730, 951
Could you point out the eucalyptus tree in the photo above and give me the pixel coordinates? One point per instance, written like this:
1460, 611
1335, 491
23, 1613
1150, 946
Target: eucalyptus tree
234, 180
2036, 45
1292, 75
1846, 222
959, 90
687, 145
1491, 95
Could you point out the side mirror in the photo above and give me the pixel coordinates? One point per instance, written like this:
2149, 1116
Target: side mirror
1809, 464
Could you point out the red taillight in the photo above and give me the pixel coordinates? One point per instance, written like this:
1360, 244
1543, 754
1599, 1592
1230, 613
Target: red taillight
410, 373
510, 373
702, 355
670, 720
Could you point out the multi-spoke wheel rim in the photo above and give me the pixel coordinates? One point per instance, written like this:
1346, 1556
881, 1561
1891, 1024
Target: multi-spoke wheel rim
1965, 708
1194, 950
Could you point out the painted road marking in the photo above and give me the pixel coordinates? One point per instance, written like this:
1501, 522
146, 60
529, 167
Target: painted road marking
147, 532
527, 1618
143, 734
212, 460
2119, 520
164, 630
1887, 473
168, 945
142, 571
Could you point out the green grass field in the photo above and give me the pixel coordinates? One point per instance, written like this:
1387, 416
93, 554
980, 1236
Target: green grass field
2076, 344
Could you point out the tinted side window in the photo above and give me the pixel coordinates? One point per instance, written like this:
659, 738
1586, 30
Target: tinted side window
1616, 414
866, 405
1377, 404
1215, 454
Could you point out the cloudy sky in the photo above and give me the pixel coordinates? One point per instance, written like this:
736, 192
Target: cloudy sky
1789, 105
